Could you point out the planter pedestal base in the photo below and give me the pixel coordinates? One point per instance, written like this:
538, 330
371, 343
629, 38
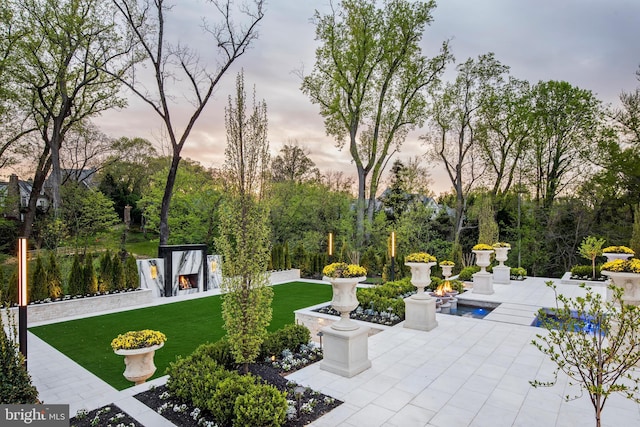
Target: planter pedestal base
502, 275
420, 313
483, 283
346, 353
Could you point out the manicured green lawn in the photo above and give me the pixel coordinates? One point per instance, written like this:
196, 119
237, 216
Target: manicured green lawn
186, 324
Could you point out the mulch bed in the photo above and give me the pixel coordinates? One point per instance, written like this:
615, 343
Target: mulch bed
312, 404
107, 416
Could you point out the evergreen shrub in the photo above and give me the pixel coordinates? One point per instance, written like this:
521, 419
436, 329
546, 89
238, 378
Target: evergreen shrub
194, 379
290, 337
76, 278
15, 382
263, 405
221, 403
466, 274
38, 285
54, 277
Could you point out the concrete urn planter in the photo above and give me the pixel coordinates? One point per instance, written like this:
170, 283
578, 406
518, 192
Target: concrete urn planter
502, 255
630, 284
483, 259
139, 363
344, 300
615, 255
420, 277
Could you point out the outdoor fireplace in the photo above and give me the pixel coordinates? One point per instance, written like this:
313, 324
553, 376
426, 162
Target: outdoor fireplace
185, 269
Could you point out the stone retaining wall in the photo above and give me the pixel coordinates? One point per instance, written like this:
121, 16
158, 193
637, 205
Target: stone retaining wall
37, 313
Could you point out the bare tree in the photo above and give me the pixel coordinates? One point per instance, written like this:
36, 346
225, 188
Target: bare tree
146, 21
455, 117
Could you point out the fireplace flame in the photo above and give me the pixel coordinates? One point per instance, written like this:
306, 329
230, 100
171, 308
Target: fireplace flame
184, 282
443, 289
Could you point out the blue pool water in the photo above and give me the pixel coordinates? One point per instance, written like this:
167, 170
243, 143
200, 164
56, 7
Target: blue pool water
475, 312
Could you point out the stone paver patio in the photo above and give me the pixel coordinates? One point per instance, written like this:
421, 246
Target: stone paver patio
465, 372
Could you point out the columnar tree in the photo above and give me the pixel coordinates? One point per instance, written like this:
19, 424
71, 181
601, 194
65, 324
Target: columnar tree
370, 79
170, 61
244, 231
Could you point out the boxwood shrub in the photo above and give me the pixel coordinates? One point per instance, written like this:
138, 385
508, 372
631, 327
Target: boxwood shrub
289, 337
262, 405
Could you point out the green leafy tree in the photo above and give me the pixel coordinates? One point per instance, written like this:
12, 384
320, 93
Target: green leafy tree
15, 382
194, 204
244, 230
567, 123
369, 79
595, 343
65, 45
54, 277
591, 249
169, 62
38, 285
86, 212
293, 164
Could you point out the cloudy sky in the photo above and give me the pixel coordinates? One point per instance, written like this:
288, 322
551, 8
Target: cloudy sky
592, 44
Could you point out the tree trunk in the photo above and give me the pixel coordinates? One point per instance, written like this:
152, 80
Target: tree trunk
38, 182
166, 199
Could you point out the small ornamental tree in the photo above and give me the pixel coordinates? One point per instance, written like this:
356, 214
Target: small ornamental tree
595, 343
38, 285
54, 277
591, 248
76, 278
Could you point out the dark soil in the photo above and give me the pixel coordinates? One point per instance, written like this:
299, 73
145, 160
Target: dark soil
107, 416
313, 404
361, 315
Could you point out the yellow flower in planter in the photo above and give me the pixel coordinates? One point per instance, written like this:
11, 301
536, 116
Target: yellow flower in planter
342, 269
446, 262
482, 247
419, 257
501, 245
622, 266
618, 250
138, 339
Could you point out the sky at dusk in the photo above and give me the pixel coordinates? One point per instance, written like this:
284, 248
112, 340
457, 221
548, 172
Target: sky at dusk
592, 44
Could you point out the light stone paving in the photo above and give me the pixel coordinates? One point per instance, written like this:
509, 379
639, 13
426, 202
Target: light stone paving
466, 372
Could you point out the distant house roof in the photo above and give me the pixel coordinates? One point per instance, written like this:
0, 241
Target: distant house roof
85, 177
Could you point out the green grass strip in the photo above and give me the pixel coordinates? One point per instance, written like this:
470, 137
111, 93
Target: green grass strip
187, 324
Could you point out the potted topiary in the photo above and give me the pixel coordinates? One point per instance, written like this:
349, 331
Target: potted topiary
420, 264
344, 279
138, 349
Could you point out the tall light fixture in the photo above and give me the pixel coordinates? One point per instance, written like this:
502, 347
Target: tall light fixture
22, 296
393, 256
330, 244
